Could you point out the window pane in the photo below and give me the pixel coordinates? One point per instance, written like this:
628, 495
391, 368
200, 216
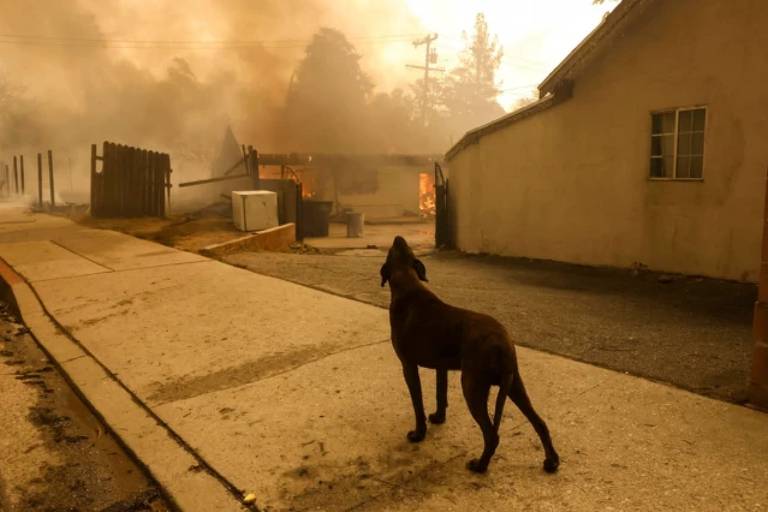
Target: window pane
685, 121
655, 123
668, 145
663, 122
683, 167
655, 146
661, 167
684, 144
662, 145
657, 168
697, 144
697, 164
698, 119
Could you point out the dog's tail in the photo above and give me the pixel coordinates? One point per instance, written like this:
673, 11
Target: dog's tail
504, 387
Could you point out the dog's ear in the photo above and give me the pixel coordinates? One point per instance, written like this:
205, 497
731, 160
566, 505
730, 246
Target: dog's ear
384, 274
421, 270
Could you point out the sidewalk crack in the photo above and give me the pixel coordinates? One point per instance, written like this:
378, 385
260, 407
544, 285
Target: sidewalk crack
60, 244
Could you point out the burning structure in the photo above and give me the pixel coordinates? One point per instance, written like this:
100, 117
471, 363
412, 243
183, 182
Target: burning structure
379, 186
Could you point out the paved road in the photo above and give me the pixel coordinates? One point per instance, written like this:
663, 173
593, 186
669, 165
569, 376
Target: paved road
54, 454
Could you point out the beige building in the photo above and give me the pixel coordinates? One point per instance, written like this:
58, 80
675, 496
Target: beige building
649, 146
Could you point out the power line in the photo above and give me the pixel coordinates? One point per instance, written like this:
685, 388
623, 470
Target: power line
90, 42
247, 41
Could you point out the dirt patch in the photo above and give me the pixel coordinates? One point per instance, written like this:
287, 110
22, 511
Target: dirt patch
405, 472
58, 456
188, 232
250, 371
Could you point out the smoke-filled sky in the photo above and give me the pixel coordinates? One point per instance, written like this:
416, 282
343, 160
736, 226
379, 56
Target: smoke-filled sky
535, 35
138, 62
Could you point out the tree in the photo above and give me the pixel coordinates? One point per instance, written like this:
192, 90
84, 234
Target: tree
327, 98
393, 126
470, 90
434, 100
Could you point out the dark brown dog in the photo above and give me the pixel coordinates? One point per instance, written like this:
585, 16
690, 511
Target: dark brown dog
430, 333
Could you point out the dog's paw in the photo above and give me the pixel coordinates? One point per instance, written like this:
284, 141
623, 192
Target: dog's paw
416, 436
551, 465
437, 418
476, 466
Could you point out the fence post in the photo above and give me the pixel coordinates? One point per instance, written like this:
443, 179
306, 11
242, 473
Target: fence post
40, 180
21, 168
299, 212
50, 178
253, 164
168, 187
165, 186
15, 176
93, 181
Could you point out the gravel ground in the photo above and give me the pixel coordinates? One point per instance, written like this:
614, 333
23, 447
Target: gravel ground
690, 332
54, 454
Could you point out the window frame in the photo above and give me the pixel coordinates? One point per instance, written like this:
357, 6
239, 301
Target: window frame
677, 111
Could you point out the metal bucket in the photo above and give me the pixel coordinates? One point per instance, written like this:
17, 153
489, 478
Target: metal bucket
355, 223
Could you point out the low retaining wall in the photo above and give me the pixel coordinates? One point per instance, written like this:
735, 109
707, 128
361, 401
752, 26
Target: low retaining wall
275, 239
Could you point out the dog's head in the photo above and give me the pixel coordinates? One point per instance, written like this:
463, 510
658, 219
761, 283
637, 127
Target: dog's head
400, 258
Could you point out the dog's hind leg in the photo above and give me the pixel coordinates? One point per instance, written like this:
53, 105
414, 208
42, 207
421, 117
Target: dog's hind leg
442, 397
411, 374
476, 395
520, 398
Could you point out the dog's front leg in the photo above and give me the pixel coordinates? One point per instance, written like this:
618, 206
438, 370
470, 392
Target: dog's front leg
411, 373
442, 397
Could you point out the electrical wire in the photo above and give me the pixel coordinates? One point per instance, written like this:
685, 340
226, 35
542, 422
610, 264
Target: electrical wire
189, 44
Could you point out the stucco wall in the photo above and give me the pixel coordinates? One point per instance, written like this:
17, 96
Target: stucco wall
571, 183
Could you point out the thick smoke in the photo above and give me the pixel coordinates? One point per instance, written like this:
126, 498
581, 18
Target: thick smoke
154, 85
77, 72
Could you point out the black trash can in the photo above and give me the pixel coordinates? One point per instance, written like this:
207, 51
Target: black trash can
315, 217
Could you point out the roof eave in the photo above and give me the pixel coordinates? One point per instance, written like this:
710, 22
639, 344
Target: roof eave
474, 135
558, 85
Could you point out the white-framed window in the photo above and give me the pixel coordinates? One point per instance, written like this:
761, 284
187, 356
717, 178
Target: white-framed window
677, 143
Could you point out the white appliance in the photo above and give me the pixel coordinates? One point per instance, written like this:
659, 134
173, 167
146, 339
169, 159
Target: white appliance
254, 210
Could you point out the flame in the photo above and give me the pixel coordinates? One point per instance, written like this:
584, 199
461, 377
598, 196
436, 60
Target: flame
426, 194
302, 175
306, 191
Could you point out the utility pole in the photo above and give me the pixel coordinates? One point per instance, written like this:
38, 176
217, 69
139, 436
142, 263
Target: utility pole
430, 57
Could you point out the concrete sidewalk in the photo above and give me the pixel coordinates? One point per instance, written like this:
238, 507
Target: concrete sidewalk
225, 382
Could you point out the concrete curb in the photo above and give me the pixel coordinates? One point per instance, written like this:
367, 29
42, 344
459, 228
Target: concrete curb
187, 480
278, 238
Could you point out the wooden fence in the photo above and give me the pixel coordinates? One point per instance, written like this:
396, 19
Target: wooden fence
14, 184
132, 182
